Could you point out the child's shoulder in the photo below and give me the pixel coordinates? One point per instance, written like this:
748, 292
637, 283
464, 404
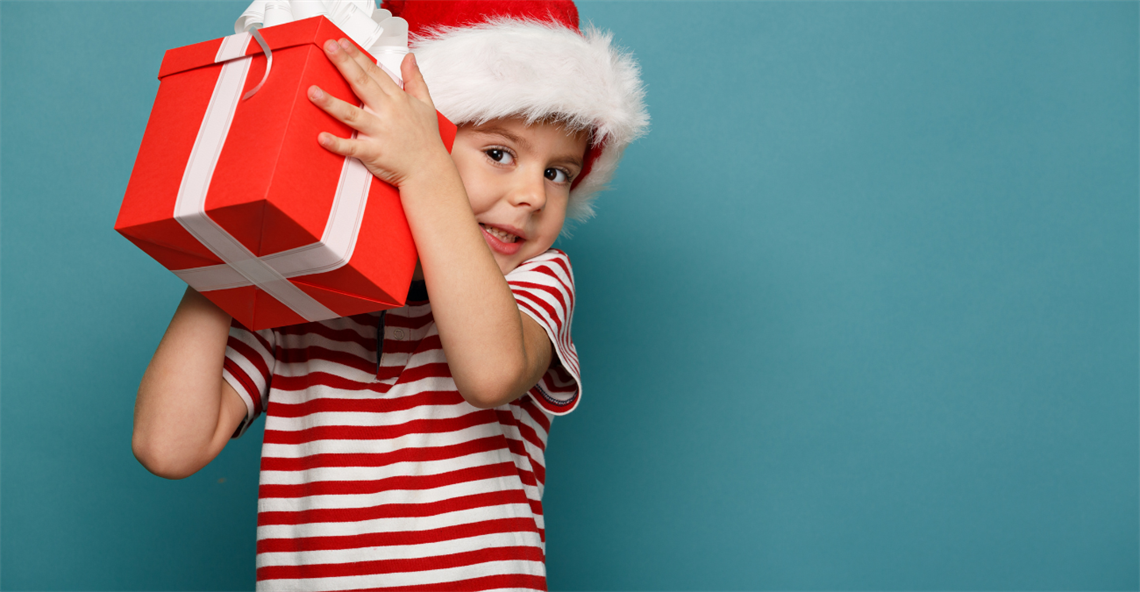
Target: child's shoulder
552, 261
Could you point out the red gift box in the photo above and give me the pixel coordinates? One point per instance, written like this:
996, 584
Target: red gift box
236, 197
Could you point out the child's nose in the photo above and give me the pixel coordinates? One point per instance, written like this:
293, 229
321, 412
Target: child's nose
530, 193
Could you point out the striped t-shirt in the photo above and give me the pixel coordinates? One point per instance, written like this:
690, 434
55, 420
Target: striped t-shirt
376, 473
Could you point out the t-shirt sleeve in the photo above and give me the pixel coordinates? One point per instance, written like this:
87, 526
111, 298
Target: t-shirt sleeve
544, 290
247, 368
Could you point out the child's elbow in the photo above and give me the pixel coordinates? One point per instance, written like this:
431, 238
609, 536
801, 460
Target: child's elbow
488, 398
492, 390
164, 465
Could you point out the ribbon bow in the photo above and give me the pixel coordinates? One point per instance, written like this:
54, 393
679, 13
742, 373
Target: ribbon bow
385, 36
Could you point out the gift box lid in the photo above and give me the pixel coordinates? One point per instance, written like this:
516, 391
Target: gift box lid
315, 31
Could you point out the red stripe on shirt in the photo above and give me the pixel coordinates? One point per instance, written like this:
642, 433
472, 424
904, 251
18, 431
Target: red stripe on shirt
435, 370
551, 290
456, 504
307, 354
413, 482
387, 539
536, 414
251, 355
345, 335
498, 582
246, 384
382, 459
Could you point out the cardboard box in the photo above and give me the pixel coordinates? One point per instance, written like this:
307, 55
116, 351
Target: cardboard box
237, 198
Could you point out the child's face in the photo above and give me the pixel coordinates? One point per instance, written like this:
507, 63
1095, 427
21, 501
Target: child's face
518, 177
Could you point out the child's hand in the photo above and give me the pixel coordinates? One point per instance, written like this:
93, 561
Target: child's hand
398, 133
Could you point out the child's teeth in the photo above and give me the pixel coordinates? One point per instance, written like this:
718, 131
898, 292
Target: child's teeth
501, 235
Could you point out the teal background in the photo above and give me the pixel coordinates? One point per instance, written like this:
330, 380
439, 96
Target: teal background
860, 313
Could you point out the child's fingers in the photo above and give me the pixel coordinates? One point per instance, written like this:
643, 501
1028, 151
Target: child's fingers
366, 87
379, 77
414, 80
345, 146
348, 114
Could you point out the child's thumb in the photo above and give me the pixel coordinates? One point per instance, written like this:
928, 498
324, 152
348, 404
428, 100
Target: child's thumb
413, 79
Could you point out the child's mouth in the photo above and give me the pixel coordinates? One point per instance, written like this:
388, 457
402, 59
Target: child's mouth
502, 235
501, 241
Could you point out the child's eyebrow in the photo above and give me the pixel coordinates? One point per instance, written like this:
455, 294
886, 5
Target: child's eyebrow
568, 159
498, 131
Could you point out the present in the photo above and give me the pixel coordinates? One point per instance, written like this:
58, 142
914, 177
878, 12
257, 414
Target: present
232, 192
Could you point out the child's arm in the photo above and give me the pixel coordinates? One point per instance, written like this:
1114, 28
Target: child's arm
495, 353
185, 411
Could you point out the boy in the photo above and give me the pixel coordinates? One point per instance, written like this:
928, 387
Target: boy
405, 448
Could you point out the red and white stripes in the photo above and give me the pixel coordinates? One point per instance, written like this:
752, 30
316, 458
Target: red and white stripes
377, 474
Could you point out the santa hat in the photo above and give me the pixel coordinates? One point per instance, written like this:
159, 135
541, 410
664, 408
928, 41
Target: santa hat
486, 59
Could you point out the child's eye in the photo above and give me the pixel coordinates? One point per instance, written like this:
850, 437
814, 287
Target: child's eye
557, 175
499, 155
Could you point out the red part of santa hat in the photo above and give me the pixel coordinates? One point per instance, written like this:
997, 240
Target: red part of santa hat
424, 15
487, 59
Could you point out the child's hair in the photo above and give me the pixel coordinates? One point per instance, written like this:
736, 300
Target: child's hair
490, 59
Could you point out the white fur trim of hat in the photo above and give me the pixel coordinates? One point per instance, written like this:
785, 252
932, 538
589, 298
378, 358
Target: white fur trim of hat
525, 68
